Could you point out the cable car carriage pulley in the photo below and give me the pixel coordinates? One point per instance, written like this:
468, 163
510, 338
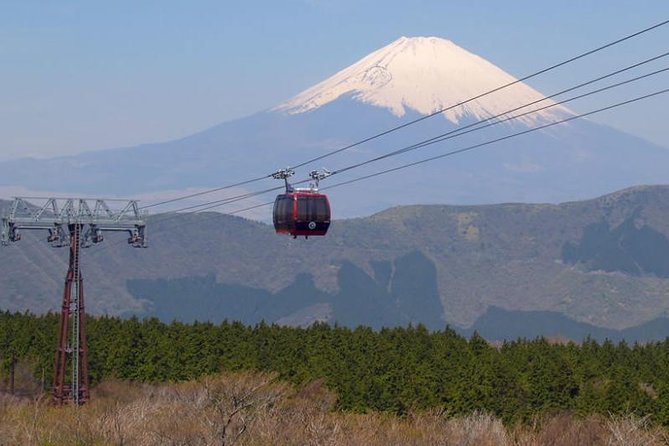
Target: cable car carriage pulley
301, 211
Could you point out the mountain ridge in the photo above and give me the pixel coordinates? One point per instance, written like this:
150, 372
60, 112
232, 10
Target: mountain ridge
510, 256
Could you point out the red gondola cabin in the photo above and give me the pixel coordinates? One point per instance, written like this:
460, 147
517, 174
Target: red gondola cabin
301, 213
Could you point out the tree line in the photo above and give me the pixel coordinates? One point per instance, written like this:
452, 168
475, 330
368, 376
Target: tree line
392, 369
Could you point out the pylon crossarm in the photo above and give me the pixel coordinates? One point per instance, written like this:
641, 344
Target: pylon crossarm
101, 209
129, 212
19, 207
51, 203
30, 213
67, 213
85, 210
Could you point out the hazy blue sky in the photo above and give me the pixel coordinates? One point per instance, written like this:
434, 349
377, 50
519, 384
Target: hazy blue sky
83, 75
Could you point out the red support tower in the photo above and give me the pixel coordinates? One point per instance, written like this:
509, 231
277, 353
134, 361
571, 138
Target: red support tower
77, 223
72, 323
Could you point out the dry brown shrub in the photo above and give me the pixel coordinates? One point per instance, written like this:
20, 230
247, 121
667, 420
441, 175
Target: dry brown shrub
480, 429
649, 390
254, 409
303, 418
237, 402
215, 410
9, 406
30, 421
562, 430
631, 430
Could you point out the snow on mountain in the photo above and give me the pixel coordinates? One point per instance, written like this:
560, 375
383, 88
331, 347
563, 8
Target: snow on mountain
425, 74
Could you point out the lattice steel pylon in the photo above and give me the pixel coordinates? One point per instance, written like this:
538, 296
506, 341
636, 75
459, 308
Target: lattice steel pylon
66, 219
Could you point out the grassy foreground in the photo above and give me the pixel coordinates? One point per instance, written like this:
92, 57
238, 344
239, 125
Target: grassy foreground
257, 409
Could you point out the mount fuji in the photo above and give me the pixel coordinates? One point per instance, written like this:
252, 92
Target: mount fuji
405, 80
424, 74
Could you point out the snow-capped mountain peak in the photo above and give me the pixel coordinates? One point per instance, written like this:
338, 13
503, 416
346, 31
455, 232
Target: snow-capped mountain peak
424, 74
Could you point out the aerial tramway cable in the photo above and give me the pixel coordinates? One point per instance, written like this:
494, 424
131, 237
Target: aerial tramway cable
415, 121
462, 150
434, 158
455, 152
472, 127
209, 191
494, 90
483, 144
452, 134
476, 126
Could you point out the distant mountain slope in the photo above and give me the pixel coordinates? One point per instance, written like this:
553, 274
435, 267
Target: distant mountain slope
405, 80
431, 264
497, 324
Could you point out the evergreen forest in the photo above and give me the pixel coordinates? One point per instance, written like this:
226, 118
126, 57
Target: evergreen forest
394, 370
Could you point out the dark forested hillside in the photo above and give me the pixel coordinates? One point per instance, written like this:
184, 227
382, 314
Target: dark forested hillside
410, 295
602, 262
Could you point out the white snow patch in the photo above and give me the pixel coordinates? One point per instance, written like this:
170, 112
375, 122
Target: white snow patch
426, 74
